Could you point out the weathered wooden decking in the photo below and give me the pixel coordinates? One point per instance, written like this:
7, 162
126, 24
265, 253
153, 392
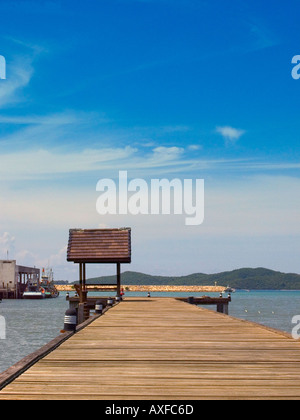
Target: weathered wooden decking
164, 349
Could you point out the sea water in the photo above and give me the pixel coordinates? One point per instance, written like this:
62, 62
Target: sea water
30, 324
275, 309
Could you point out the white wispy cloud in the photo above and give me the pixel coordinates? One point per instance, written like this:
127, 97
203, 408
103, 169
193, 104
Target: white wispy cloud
260, 32
230, 134
32, 164
50, 146
58, 119
48, 163
194, 147
45, 131
7, 245
57, 259
167, 153
19, 71
19, 75
39, 164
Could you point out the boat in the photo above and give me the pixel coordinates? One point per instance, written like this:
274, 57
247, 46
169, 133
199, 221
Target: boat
41, 289
229, 290
34, 291
47, 283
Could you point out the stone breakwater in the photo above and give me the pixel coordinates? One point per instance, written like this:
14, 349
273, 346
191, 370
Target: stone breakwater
145, 288
156, 288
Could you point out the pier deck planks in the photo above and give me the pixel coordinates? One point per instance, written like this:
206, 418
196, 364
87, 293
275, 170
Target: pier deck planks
161, 348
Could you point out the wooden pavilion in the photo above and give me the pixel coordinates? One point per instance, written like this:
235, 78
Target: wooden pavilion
98, 246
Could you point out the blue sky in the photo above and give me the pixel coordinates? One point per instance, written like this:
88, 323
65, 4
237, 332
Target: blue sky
160, 88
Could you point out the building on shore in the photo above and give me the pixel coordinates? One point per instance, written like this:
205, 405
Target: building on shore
14, 279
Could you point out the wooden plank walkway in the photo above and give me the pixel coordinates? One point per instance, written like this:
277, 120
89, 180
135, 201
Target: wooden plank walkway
165, 349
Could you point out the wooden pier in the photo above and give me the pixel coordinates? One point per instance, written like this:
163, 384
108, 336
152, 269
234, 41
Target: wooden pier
164, 349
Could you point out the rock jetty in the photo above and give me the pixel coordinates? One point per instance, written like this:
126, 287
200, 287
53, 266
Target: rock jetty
156, 288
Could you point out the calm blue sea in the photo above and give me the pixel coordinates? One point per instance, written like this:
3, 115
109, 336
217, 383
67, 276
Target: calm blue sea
30, 324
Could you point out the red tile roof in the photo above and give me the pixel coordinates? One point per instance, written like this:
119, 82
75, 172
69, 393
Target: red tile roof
99, 245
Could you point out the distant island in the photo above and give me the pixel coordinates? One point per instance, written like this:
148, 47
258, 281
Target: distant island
243, 278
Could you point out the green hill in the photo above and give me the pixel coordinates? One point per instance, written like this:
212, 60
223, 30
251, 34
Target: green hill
244, 278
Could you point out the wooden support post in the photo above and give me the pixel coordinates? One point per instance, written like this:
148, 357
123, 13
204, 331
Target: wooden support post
222, 308
225, 308
80, 281
118, 279
84, 291
86, 312
80, 313
80, 275
84, 276
80, 284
